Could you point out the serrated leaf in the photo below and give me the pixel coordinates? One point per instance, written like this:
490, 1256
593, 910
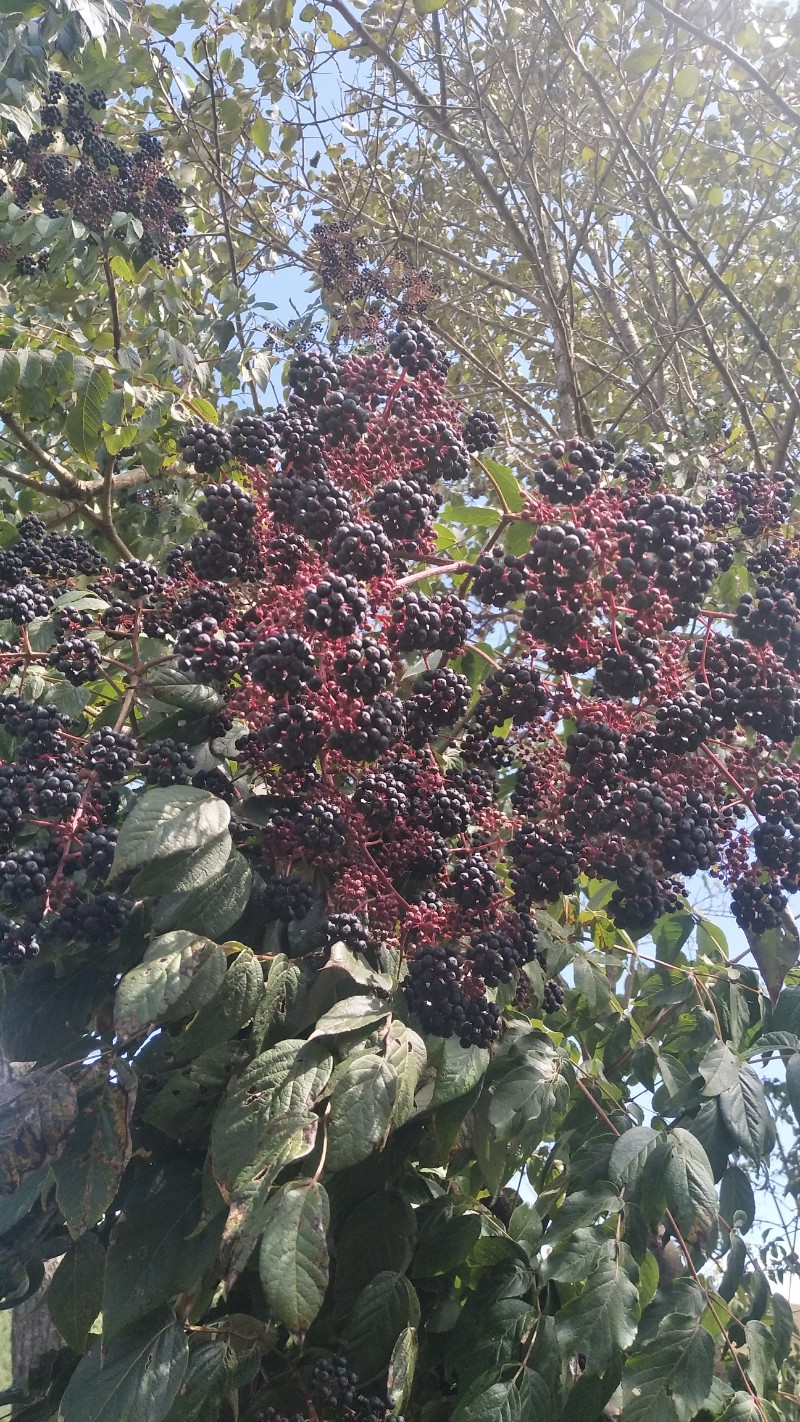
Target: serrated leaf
351, 1014
284, 1141
282, 1083
227, 1011
405, 1053
185, 872
458, 1069
496, 1403
382, 1310
96, 1154
136, 1380
155, 1251
630, 1153
688, 1184
85, 419
75, 1295
175, 688
168, 985
719, 1069
36, 1119
167, 822
362, 1097
602, 1319
293, 1260
214, 907
669, 1379
746, 1115
776, 953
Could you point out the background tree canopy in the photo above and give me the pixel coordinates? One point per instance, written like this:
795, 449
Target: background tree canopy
399, 614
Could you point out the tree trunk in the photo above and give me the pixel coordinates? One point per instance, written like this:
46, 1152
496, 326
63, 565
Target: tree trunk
32, 1333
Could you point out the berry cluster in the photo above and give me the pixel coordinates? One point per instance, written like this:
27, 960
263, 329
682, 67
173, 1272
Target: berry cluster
72, 166
422, 754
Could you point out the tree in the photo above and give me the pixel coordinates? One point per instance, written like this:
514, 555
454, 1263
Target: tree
376, 1062
604, 194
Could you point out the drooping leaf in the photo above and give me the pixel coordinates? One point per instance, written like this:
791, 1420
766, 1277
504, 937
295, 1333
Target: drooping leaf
603, 1317
382, 1310
75, 1294
671, 1377
776, 952
280, 1084
170, 984
36, 1118
97, 1152
630, 1153
362, 1098
688, 1185
165, 823
84, 421
402, 1366
746, 1114
156, 1250
293, 1261
224, 1014
136, 1380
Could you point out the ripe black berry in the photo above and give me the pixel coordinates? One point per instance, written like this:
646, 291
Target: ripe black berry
110, 754
287, 898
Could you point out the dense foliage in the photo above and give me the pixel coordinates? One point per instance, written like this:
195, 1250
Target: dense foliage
360, 753
324, 852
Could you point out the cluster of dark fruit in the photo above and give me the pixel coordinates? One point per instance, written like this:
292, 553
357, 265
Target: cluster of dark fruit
334, 1391
386, 771
437, 993
98, 179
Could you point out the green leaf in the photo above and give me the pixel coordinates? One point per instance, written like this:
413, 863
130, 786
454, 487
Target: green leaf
284, 1142
176, 688
214, 907
75, 1295
405, 1053
36, 1119
402, 1366
719, 1069
293, 1261
644, 58
504, 480
378, 1235
631, 1152
155, 1251
746, 1114
793, 1083
382, 1310
776, 952
170, 985
688, 1185
205, 1383
85, 419
184, 873
602, 1319
687, 81
136, 1380
227, 1011
670, 1378
282, 1083
96, 1154
457, 1069
495, 1403
167, 822
736, 1197
351, 1014
362, 1097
